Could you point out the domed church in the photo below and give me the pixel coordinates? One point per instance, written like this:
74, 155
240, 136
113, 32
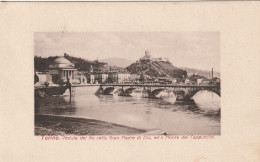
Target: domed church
61, 70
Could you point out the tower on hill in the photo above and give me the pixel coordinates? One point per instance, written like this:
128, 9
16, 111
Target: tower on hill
146, 57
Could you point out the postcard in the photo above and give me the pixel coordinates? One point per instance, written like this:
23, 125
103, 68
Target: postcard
130, 81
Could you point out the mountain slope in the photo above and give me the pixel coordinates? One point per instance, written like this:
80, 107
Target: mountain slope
84, 65
42, 64
156, 69
119, 62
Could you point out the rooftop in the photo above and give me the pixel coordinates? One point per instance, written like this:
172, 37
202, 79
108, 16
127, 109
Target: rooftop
62, 60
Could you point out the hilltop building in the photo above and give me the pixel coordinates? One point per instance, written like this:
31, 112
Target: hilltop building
160, 59
148, 57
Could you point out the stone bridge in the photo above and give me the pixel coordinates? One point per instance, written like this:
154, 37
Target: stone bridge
182, 92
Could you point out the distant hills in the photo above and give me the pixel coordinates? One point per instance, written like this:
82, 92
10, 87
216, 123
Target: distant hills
119, 62
84, 65
151, 68
204, 73
158, 68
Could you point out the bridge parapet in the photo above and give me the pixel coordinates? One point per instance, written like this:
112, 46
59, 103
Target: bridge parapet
181, 91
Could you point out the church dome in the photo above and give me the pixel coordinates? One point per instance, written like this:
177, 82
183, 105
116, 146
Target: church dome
62, 60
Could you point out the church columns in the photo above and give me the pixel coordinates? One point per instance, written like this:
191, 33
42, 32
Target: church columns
67, 74
70, 76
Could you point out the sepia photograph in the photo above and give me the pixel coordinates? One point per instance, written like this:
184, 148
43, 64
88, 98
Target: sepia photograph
127, 83
130, 81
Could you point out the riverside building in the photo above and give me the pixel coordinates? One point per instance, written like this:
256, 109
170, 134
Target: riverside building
61, 69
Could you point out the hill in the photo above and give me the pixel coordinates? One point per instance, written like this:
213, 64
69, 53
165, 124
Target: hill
156, 69
84, 65
108, 68
42, 64
118, 62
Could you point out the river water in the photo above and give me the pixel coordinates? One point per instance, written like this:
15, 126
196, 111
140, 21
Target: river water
163, 115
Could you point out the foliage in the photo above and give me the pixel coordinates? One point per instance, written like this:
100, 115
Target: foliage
42, 64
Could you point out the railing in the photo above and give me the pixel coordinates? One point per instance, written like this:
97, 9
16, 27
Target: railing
136, 85
161, 85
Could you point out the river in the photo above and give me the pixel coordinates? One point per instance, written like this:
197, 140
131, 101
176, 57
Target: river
156, 116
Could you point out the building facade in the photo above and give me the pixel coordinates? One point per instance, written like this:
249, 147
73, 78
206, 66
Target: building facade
160, 59
123, 77
101, 77
187, 81
135, 78
91, 78
119, 77
44, 77
81, 77
199, 81
61, 70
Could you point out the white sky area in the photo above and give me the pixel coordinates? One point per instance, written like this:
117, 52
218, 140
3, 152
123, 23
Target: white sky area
199, 50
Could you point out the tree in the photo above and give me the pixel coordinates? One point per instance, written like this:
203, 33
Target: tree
36, 78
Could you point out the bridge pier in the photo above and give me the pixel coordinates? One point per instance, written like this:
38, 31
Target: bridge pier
100, 91
179, 95
121, 92
146, 93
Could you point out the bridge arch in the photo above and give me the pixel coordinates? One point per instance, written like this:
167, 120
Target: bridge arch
108, 90
128, 91
156, 92
195, 91
182, 92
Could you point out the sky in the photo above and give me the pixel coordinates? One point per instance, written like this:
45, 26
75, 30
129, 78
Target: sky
199, 50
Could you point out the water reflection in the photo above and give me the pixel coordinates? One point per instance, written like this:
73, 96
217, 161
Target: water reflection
164, 114
58, 105
207, 100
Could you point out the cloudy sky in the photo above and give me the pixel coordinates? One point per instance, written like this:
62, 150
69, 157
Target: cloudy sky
198, 50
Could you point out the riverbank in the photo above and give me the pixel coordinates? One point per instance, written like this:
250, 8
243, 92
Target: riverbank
59, 125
